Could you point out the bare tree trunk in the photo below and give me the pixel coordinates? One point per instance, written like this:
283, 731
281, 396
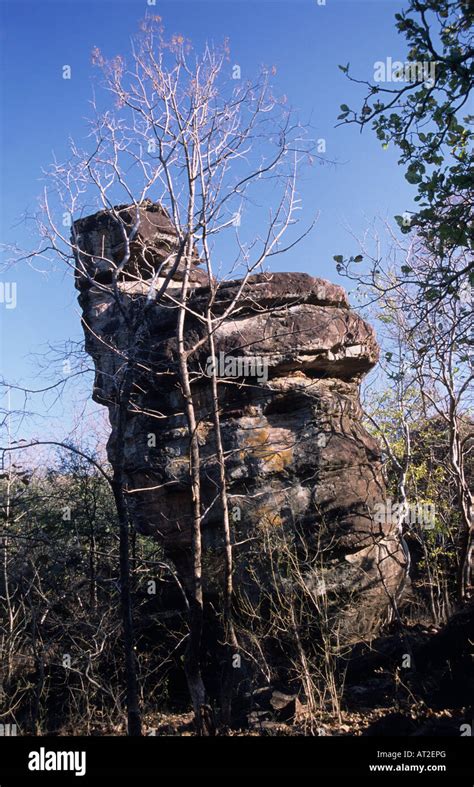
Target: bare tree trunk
133, 711
231, 644
465, 574
92, 567
192, 665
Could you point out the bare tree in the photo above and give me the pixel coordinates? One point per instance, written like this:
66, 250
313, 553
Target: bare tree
206, 149
427, 360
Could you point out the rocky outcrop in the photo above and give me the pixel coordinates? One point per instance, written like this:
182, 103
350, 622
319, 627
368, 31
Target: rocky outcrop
302, 471
141, 241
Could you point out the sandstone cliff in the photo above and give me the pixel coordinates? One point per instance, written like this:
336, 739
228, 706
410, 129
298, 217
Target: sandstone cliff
301, 468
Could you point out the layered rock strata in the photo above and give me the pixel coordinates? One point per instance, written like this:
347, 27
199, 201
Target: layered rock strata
301, 468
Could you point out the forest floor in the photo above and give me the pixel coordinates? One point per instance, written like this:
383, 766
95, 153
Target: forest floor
414, 720
381, 692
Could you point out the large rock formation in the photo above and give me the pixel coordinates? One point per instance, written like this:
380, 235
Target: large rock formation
301, 468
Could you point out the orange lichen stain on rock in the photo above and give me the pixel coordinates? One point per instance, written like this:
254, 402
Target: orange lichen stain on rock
203, 430
274, 452
268, 517
297, 373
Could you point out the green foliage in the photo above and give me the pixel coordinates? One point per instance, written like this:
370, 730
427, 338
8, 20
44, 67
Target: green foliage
429, 123
60, 595
429, 483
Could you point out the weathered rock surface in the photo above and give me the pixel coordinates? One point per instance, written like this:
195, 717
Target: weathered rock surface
142, 236
299, 462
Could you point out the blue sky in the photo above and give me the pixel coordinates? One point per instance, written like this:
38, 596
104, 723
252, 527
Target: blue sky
40, 110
